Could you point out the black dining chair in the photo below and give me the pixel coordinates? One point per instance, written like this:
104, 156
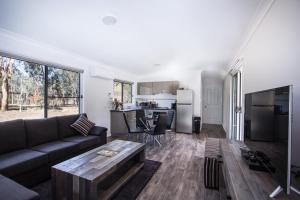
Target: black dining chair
158, 130
170, 114
137, 132
169, 130
140, 114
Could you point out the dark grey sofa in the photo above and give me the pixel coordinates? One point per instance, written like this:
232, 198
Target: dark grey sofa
10, 190
28, 148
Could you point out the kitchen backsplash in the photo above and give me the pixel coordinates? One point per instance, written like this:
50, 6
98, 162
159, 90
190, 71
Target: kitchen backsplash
162, 100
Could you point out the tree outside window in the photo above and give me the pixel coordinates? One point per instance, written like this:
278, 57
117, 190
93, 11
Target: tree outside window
22, 90
123, 91
127, 93
63, 92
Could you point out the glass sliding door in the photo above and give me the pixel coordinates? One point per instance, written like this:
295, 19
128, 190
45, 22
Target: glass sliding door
236, 106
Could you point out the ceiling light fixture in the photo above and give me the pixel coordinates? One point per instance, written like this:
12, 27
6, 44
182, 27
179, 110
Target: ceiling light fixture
109, 20
157, 64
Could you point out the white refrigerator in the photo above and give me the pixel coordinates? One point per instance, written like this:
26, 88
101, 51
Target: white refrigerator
184, 111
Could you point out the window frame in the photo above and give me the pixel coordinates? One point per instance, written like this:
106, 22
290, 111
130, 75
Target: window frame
46, 92
122, 89
46, 66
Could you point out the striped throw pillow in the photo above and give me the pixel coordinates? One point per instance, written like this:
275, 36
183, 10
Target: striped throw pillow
211, 173
83, 125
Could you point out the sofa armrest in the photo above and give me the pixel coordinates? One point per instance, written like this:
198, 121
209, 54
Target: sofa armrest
98, 130
101, 132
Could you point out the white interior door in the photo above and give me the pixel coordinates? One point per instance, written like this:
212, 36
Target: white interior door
212, 100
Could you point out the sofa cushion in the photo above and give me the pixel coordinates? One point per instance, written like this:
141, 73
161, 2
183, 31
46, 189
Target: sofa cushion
84, 142
40, 131
13, 136
58, 150
82, 125
11, 190
18, 162
64, 123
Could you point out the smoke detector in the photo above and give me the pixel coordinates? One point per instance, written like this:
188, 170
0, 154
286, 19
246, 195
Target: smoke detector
109, 20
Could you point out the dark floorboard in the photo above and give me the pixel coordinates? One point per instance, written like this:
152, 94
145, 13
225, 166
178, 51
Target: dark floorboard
181, 174
213, 130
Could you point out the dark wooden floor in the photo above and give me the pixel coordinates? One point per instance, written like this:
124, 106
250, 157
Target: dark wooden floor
180, 177
181, 173
213, 131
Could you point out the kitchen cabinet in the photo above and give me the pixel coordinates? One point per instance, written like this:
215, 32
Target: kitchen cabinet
162, 87
175, 87
145, 88
159, 87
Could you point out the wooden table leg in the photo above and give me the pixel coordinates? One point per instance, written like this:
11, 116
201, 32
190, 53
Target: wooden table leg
53, 183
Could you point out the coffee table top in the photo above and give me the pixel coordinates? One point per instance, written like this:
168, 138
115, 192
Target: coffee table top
95, 164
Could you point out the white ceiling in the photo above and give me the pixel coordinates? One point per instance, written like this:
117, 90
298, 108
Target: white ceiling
174, 33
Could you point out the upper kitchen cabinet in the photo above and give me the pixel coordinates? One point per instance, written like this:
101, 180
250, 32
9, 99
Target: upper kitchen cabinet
144, 88
159, 87
175, 87
162, 87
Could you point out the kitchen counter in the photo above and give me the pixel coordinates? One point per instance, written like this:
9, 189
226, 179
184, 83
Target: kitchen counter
117, 122
139, 108
126, 110
159, 108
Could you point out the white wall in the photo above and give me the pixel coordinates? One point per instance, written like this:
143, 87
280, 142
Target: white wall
271, 59
97, 77
97, 96
188, 79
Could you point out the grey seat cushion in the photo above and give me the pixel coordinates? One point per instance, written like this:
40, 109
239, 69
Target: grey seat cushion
40, 131
57, 150
13, 136
84, 142
10, 190
18, 162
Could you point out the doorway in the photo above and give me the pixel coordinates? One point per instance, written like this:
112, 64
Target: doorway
212, 99
236, 106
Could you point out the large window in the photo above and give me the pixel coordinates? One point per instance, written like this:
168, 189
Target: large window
63, 92
26, 89
123, 91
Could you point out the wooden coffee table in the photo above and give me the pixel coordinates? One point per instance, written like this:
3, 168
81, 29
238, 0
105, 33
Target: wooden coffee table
99, 173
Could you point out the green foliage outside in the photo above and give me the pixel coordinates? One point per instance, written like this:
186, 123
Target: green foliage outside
22, 86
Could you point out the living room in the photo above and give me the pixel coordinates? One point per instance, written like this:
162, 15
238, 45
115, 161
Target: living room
149, 99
